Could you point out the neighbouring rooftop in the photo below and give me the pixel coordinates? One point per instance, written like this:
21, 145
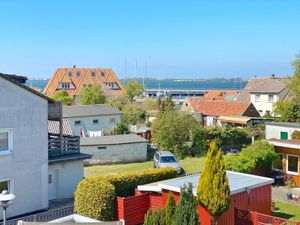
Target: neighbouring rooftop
89, 110
238, 182
291, 143
284, 124
112, 140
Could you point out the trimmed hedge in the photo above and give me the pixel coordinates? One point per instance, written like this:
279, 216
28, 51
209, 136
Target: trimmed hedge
94, 198
126, 183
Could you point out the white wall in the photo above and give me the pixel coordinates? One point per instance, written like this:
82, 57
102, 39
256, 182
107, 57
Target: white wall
117, 153
27, 166
69, 174
104, 123
263, 105
273, 131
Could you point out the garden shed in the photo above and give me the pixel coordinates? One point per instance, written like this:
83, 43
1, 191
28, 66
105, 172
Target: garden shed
248, 192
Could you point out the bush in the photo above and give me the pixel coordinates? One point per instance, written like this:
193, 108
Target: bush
155, 217
296, 134
94, 198
170, 209
126, 183
260, 153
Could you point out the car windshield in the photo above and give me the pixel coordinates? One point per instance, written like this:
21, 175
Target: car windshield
167, 159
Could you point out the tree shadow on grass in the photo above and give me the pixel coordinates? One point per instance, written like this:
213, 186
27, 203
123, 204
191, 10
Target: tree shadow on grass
282, 215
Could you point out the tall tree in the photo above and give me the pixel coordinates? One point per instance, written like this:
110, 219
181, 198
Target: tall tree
132, 89
92, 95
213, 191
63, 96
186, 212
170, 209
133, 114
171, 130
166, 104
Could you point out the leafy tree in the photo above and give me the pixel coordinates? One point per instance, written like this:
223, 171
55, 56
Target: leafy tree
63, 96
92, 95
289, 109
170, 209
171, 130
166, 104
121, 128
260, 153
186, 212
155, 217
117, 101
132, 89
296, 134
213, 191
134, 114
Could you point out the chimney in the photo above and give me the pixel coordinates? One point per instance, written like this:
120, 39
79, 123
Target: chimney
273, 75
74, 66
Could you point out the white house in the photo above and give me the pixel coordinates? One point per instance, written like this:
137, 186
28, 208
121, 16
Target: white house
281, 131
32, 169
86, 120
115, 148
264, 92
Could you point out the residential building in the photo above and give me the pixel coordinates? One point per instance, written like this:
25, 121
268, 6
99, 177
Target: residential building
115, 148
209, 110
288, 149
264, 92
74, 79
247, 192
92, 120
35, 165
240, 121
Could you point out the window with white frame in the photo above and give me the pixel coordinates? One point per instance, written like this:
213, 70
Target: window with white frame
257, 98
278, 163
292, 164
5, 140
4, 185
271, 98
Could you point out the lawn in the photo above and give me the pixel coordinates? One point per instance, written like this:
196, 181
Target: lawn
188, 164
287, 210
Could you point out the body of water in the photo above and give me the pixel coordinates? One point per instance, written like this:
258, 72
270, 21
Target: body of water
170, 84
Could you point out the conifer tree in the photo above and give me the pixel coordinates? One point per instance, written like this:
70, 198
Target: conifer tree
213, 191
155, 217
170, 209
186, 212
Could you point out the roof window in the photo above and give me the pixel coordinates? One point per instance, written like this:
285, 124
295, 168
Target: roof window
70, 74
78, 73
93, 74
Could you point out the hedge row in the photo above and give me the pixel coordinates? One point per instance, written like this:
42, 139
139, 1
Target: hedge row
95, 196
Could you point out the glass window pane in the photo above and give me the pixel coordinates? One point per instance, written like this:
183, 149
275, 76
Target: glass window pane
293, 164
4, 185
3, 141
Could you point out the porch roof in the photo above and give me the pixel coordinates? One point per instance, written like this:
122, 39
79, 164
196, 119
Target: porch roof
238, 182
292, 143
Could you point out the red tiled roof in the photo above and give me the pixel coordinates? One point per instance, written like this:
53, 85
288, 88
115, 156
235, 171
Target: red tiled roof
219, 94
290, 141
218, 107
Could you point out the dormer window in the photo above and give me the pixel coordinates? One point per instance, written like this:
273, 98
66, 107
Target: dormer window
93, 74
70, 74
78, 74
102, 73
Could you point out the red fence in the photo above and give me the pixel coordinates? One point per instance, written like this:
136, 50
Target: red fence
244, 217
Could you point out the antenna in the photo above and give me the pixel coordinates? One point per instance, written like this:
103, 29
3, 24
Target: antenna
125, 67
145, 75
135, 71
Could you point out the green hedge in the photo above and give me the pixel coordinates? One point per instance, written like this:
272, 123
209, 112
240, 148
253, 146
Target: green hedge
126, 183
260, 153
94, 198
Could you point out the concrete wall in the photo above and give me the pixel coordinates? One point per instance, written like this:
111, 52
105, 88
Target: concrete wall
27, 166
117, 153
273, 131
263, 105
65, 178
87, 123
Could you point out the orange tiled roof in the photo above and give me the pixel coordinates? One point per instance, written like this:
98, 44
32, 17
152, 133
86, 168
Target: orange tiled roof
220, 107
82, 76
219, 94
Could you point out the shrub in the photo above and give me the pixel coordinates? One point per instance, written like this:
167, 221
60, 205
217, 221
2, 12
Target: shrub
94, 198
186, 212
155, 217
260, 153
170, 209
296, 134
126, 183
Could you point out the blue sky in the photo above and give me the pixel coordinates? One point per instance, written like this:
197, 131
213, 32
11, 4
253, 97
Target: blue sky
178, 39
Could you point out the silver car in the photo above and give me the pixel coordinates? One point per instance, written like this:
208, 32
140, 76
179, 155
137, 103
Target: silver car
166, 159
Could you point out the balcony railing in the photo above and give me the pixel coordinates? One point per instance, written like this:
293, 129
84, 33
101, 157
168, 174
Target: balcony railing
70, 145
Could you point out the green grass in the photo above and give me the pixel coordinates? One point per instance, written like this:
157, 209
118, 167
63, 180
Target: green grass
287, 210
188, 164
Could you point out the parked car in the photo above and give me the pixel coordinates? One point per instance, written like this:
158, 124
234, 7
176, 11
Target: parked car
166, 159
